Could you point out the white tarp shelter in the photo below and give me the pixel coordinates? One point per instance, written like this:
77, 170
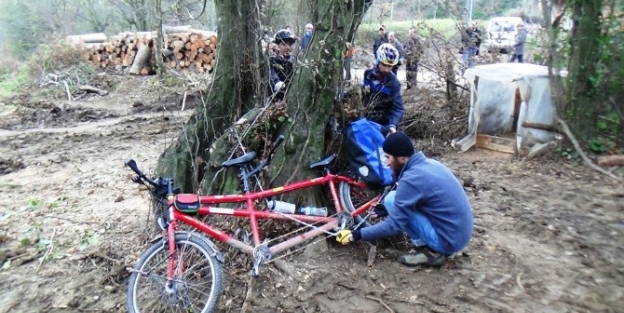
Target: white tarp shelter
504, 96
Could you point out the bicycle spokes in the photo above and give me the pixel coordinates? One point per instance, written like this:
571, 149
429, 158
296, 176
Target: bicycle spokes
186, 291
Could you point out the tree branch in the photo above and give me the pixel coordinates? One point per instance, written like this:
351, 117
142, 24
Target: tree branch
577, 147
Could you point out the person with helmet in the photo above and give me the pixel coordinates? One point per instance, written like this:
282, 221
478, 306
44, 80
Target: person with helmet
381, 90
280, 64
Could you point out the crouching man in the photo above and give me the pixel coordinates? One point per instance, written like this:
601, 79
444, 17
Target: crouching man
429, 204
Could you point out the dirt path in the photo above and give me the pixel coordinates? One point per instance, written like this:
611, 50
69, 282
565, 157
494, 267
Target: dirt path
548, 236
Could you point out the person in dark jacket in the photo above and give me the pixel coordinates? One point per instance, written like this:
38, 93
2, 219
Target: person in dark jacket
413, 51
307, 37
470, 38
381, 90
381, 38
280, 64
429, 204
392, 39
520, 42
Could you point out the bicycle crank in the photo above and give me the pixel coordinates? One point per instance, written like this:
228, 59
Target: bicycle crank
261, 255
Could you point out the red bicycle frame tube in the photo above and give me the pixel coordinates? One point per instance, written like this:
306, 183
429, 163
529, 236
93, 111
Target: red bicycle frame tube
328, 223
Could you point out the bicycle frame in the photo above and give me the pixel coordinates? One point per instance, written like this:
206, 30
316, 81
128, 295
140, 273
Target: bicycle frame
249, 211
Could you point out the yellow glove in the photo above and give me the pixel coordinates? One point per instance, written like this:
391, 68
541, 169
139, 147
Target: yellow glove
344, 236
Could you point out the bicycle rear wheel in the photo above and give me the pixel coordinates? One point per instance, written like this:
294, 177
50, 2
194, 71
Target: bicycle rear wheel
352, 197
197, 283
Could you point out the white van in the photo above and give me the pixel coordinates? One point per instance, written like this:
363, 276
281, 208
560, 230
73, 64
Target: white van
500, 34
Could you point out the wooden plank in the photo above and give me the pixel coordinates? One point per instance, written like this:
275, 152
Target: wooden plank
494, 143
611, 160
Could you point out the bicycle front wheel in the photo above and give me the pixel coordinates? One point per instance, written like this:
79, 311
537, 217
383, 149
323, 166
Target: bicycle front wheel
352, 197
196, 285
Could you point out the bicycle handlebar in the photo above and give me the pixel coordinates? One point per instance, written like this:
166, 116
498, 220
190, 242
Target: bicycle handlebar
133, 166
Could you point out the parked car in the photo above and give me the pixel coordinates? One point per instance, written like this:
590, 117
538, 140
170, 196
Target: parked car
500, 34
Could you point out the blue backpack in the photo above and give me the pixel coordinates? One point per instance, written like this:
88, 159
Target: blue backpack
364, 141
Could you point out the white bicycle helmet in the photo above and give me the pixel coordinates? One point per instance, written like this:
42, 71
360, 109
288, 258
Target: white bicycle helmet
387, 54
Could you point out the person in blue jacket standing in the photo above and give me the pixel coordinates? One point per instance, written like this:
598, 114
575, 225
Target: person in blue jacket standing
307, 37
381, 90
429, 204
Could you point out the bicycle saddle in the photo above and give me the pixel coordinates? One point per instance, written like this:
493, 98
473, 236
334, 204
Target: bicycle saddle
241, 160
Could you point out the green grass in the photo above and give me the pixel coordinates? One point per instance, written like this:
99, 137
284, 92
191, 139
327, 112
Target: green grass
12, 82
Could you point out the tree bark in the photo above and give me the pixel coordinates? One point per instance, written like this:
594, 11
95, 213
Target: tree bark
236, 88
584, 57
311, 96
158, 43
239, 88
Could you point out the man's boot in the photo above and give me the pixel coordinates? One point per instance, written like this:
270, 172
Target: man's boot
423, 256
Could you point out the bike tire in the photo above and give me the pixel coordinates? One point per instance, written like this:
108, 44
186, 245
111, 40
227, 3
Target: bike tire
197, 242
350, 198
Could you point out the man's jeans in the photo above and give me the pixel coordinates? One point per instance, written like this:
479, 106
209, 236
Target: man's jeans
419, 229
516, 57
468, 57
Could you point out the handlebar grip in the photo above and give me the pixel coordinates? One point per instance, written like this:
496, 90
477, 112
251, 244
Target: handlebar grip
133, 166
278, 141
276, 144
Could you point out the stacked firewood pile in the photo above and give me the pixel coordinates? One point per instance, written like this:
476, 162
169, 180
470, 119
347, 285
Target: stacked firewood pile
183, 48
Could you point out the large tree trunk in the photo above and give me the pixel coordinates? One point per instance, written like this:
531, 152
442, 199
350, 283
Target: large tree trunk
311, 96
235, 89
584, 58
239, 89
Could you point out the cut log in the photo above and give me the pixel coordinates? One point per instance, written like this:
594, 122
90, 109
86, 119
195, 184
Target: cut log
142, 56
184, 37
177, 45
550, 128
146, 35
611, 160
204, 33
205, 58
96, 45
127, 60
177, 29
86, 38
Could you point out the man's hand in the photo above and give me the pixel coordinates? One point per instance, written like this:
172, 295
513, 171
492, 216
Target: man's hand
391, 130
279, 86
344, 236
365, 90
379, 211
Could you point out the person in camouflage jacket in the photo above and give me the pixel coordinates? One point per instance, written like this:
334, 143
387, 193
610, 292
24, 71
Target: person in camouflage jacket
413, 51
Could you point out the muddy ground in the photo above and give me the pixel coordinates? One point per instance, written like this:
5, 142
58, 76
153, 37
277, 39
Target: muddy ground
548, 234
